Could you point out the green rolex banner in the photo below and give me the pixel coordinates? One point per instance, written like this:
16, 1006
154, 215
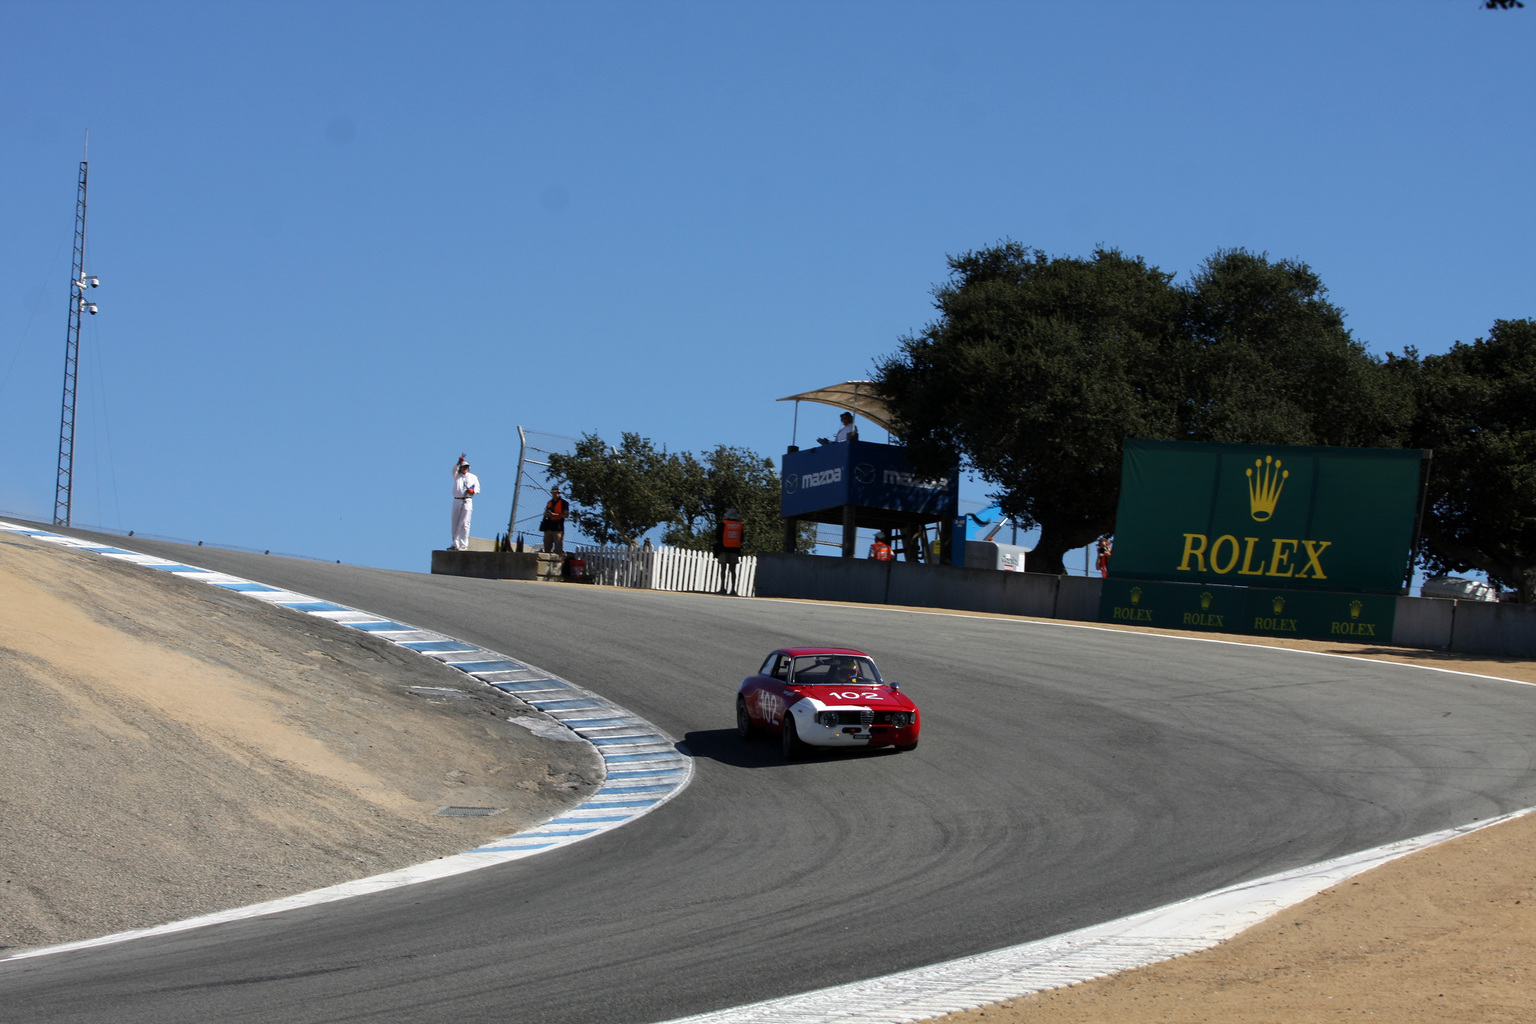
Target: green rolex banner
1281, 540
1358, 618
1268, 516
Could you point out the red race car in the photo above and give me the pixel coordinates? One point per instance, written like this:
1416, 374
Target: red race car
825, 697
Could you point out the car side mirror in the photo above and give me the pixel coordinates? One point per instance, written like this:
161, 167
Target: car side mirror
894, 686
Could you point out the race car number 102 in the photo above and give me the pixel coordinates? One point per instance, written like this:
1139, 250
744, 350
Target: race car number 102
824, 697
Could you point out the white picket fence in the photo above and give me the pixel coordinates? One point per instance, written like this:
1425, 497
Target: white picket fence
664, 568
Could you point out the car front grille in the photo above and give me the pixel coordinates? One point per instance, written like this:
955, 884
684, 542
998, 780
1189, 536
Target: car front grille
865, 717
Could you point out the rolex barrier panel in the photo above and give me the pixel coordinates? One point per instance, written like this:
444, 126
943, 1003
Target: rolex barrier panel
1479, 627
1266, 516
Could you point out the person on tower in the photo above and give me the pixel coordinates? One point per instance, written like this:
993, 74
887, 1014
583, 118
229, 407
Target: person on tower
846, 432
465, 486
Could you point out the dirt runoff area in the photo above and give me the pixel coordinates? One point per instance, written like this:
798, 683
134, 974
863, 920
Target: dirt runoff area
169, 749
166, 754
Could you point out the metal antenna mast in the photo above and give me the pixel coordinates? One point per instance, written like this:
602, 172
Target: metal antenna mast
78, 307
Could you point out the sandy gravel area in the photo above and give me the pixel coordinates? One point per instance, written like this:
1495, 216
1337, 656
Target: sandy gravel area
169, 749
1446, 935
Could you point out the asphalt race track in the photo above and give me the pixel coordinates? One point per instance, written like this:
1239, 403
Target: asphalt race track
1066, 776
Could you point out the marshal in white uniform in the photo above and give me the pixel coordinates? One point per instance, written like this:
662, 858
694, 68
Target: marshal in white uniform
465, 486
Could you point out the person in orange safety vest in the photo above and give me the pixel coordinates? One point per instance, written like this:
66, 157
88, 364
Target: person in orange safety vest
880, 550
728, 548
553, 524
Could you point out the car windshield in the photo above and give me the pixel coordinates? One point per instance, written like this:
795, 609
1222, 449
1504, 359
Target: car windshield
834, 669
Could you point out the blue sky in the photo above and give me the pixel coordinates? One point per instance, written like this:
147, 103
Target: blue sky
341, 243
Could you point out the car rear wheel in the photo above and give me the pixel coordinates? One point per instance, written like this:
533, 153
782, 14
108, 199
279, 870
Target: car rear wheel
791, 739
744, 727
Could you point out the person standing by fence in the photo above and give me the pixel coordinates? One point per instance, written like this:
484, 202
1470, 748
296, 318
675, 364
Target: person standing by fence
728, 548
555, 511
465, 486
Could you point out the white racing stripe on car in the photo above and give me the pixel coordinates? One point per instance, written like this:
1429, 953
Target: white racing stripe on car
644, 768
1136, 941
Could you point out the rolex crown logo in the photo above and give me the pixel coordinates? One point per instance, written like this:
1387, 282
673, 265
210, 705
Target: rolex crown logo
1265, 481
1135, 595
1205, 601
1355, 608
1278, 604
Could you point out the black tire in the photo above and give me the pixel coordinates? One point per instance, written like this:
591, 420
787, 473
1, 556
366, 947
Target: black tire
791, 739
744, 727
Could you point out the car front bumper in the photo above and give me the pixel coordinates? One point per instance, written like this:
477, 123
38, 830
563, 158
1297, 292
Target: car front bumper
815, 734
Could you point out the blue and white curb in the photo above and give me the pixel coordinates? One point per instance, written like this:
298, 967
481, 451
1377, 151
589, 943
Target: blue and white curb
643, 766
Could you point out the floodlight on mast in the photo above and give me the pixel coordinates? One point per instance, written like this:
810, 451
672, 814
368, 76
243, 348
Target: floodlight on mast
79, 305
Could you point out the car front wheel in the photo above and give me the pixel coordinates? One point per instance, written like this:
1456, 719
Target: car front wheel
791, 739
744, 727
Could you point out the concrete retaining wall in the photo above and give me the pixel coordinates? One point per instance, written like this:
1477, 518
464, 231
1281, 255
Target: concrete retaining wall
1467, 627
1490, 627
1423, 622
840, 579
864, 581
946, 586
1078, 598
498, 565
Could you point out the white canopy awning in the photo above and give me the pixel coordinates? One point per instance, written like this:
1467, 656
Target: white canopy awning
856, 396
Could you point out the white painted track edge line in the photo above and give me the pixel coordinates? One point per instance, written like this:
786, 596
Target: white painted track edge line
1176, 929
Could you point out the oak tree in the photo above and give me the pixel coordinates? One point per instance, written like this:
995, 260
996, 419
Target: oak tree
618, 494
1037, 370
1477, 410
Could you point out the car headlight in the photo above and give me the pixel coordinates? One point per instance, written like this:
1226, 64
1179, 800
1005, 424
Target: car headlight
826, 718
901, 719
